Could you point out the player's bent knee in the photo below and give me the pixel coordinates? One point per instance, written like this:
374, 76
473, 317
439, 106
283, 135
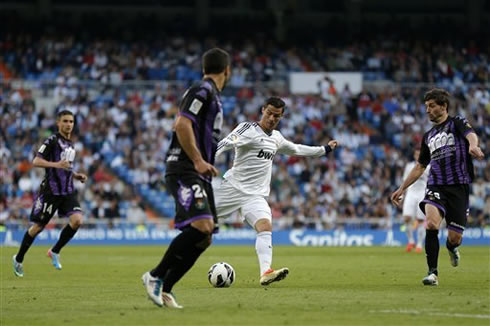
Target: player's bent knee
455, 238
35, 229
432, 224
433, 216
263, 225
76, 221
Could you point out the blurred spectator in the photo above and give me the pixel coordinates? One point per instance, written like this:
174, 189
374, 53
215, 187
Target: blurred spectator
135, 213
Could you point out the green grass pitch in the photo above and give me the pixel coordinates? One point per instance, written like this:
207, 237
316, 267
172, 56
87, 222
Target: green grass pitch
101, 285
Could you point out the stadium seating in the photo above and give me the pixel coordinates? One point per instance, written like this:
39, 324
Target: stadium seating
126, 125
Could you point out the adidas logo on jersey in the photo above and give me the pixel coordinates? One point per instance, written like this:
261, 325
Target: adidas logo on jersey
266, 155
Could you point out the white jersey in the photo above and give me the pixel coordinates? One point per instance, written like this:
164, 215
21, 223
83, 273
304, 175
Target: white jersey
418, 186
254, 152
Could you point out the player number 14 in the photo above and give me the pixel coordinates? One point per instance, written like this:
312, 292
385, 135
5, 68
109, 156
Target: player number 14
47, 208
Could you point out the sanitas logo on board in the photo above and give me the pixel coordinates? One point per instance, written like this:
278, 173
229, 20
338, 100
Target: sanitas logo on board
338, 238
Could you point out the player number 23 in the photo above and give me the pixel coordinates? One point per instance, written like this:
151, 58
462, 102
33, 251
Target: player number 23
433, 193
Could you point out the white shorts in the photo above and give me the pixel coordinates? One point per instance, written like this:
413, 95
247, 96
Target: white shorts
411, 205
251, 208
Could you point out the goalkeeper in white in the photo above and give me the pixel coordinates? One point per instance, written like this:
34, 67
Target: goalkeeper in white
247, 184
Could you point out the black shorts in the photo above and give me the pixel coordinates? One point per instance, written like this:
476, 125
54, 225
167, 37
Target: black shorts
46, 205
453, 203
194, 199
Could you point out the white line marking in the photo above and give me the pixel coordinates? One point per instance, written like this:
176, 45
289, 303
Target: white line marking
416, 312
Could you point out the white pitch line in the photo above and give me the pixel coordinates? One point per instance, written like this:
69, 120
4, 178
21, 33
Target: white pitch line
417, 312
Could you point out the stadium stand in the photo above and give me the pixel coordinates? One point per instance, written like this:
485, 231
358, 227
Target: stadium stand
125, 94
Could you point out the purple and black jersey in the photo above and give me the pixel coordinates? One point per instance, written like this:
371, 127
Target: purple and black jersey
56, 181
445, 147
202, 105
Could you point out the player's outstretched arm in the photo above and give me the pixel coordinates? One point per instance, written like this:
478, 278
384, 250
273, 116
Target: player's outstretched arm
185, 135
42, 163
80, 177
474, 149
417, 171
333, 144
289, 148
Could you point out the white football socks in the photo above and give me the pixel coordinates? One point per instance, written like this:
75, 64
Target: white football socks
420, 234
409, 232
263, 247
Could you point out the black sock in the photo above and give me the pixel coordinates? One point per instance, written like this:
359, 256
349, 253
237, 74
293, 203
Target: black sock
432, 250
176, 251
180, 257
177, 271
25, 245
66, 234
450, 246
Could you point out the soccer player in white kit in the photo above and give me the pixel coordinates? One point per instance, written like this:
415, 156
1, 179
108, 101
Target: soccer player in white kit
411, 211
246, 185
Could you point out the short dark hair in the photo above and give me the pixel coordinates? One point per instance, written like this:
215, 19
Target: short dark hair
439, 95
64, 112
275, 102
215, 61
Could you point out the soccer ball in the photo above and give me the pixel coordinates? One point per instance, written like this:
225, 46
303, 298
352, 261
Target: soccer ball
221, 275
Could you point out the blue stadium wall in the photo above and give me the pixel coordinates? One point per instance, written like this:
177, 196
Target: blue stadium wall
154, 236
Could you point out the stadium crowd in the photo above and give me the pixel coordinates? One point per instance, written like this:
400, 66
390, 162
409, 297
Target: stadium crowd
49, 56
377, 129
